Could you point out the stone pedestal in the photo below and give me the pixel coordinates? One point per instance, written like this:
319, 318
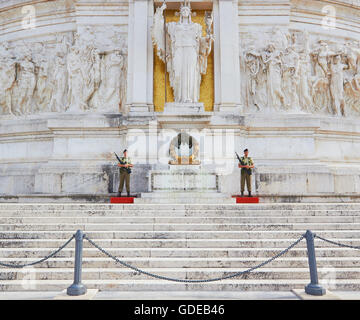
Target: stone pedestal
188, 115
184, 108
183, 178
184, 184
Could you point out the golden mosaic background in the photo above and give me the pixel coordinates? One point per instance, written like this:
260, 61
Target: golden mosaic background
207, 80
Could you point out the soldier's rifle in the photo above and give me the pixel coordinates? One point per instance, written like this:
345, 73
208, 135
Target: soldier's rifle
241, 163
238, 158
117, 157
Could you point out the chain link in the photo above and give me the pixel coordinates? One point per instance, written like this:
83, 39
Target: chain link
39, 261
193, 281
336, 243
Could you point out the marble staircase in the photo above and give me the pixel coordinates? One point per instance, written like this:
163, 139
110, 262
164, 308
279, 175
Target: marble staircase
186, 241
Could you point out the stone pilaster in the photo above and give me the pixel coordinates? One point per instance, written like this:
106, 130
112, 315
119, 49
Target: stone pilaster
226, 54
140, 57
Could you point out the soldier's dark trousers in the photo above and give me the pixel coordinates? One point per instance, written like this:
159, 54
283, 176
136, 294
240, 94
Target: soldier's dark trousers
245, 177
124, 177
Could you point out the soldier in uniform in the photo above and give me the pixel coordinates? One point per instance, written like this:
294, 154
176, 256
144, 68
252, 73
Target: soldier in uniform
246, 164
125, 171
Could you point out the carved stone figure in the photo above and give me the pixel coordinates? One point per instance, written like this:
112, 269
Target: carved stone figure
352, 96
110, 96
59, 83
23, 90
43, 90
76, 79
300, 74
303, 90
337, 84
352, 79
352, 54
253, 65
90, 66
7, 78
321, 68
67, 76
83, 65
290, 77
186, 52
321, 83
280, 39
272, 60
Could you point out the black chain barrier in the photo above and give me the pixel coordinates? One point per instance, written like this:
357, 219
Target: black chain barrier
336, 243
39, 261
193, 281
175, 279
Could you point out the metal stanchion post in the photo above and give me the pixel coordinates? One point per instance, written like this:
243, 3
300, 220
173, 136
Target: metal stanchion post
313, 288
77, 288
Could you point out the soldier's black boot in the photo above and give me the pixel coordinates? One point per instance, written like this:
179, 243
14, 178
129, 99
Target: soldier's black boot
119, 194
250, 194
242, 193
128, 194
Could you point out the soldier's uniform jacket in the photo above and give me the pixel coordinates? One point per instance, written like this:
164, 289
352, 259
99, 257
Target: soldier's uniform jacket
246, 162
124, 160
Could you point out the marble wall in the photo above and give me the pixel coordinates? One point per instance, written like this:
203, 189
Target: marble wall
76, 84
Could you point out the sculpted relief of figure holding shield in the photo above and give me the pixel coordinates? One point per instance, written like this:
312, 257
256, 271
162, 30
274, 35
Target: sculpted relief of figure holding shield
181, 46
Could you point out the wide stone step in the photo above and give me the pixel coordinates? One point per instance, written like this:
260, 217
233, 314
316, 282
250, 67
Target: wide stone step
173, 262
178, 227
193, 206
249, 234
328, 274
52, 244
177, 220
258, 206
178, 252
179, 213
163, 285
184, 200
186, 194
231, 212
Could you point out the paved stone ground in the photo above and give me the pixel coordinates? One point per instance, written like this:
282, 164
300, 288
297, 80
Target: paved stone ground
177, 295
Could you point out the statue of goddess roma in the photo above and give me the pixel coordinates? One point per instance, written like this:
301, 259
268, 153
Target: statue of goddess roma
181, 46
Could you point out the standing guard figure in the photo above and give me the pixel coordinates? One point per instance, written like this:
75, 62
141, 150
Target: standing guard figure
246, 164
125, 171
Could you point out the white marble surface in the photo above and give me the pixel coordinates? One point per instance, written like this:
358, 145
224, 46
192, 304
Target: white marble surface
286, 82
175, 295
183, 178
163, 295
